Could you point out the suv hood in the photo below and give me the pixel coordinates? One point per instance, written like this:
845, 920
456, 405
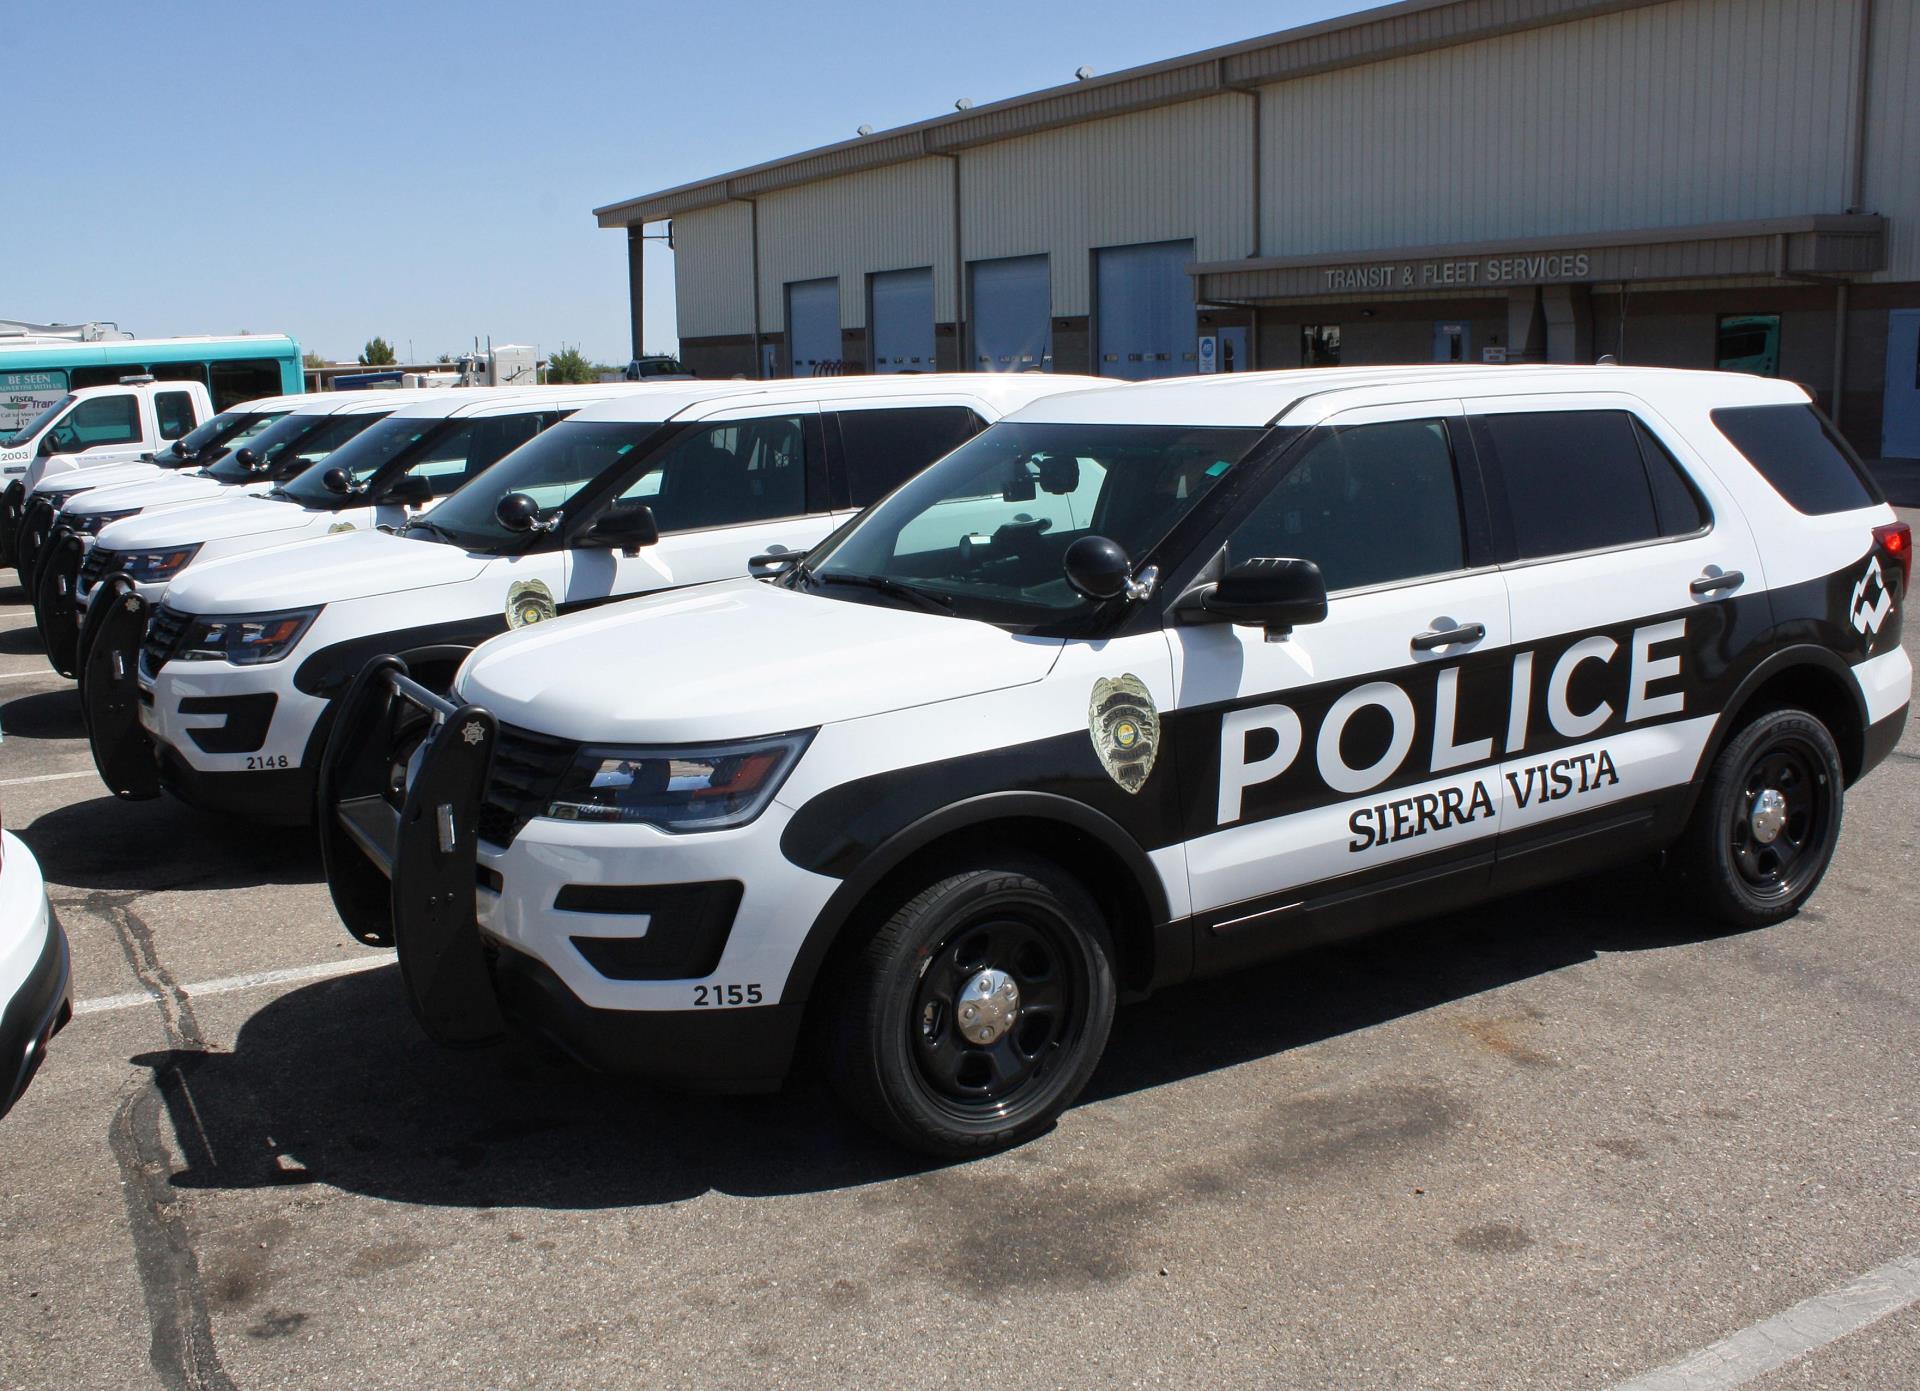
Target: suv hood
322, 570
78, 480
214, 520
736, 659
156, 493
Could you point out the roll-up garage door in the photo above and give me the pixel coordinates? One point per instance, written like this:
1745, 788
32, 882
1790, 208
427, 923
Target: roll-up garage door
813, 327
1145, 310
900, 316
1012, 314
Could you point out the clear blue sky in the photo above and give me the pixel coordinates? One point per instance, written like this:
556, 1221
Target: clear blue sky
427, 172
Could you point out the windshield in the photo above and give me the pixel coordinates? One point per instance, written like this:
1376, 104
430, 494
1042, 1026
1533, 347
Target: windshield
983, 530
363, 456
38, 423
290, 444
551, 469
219, 436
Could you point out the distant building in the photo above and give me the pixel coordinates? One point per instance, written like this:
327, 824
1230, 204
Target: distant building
1682, 182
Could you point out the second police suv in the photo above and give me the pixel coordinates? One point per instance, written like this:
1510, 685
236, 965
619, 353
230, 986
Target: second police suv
1136, 686
226, 697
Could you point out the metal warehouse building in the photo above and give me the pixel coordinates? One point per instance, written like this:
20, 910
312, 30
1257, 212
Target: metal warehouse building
1698, 183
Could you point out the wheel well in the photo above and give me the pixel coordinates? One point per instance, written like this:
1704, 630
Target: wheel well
1819, 692
1103, 873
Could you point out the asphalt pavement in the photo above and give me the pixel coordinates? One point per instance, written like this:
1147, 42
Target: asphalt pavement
1567, 1140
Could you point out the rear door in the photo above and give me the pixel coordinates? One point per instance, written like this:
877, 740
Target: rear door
737, 483
1354, 753
1637, 591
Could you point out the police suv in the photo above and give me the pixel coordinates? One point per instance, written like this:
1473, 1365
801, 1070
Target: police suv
1136, 686
229, 699
394, 469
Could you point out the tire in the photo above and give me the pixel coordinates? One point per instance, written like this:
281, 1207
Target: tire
898, 1058
1752, 870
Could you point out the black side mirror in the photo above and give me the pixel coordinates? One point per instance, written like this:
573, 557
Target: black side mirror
1267, 592
249, 460
1097, 567
516, 512
179, 449
626, 529
409, 490
337, 480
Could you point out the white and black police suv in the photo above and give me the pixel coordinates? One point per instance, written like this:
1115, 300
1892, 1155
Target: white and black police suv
1136, 686
225, 698
395, 469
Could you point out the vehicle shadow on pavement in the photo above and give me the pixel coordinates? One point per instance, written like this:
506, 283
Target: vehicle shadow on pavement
140, 847
46, 715
20, 640
333, 1083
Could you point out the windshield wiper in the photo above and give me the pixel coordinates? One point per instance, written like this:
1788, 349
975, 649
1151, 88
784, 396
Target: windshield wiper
932, 603
428, 527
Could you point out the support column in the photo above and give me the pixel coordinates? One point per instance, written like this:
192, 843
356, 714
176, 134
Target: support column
1526, 326
636, 284
1569, 315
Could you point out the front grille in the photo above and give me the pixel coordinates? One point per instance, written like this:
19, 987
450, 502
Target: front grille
100, 563
165, 631
527, 768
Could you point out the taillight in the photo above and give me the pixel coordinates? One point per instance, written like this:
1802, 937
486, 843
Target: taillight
1896, 539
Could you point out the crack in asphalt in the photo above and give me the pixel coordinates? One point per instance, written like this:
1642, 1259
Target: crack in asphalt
181, 1350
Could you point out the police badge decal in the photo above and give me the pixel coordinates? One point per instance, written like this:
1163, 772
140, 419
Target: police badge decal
1125, 729
528, 601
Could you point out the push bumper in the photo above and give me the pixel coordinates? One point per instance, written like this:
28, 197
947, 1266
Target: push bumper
37, 1011
56, 611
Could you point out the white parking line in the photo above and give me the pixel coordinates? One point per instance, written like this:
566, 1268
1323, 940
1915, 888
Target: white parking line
1808, 1325
23, 675
46, 777
226, 985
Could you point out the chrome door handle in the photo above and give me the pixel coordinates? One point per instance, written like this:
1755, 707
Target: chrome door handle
1726, 579
1448, 637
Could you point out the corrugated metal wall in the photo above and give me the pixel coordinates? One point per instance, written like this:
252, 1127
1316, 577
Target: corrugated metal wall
1698, 111
712, 271
884, 219
1893, 142
1176, 172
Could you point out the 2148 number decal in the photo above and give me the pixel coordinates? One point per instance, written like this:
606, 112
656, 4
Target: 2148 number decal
706, 995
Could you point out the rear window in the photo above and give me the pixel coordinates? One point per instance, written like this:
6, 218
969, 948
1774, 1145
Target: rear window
1798, 452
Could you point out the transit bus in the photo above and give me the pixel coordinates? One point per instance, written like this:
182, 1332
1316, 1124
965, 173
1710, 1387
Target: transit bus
36, 372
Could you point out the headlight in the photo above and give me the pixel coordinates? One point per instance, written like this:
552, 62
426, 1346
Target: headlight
690, 789
89, 523
152, 566
245, 639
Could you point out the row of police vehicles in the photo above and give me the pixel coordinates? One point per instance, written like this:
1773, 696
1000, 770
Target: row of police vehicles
908, 725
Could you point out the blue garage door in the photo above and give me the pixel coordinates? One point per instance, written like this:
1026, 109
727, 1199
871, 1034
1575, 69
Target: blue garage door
1145, 308
1012, 310
900, 315
813, 326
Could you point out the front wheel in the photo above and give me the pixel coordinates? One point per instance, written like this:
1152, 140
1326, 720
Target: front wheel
1767, 822
976, 1014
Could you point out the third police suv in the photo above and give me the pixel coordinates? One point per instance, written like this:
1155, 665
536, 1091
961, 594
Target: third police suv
1136, 686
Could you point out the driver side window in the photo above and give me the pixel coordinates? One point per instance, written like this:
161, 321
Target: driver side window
100, 420
727, 475
1368, 504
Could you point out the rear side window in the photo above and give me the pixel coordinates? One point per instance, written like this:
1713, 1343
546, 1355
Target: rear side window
1678, 507
1574, 480
1797, 451
1368, 504
884, 448
174, 412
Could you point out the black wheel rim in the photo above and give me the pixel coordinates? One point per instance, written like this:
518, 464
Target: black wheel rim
1046, 963
1778, 831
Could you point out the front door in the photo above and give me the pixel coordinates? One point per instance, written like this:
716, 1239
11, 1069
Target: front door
1233, 350
1900, 419
1352, 751
1453, 342
740, 485
1635, 581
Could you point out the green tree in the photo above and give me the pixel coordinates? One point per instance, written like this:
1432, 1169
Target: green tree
312, 360
377, 353
569, 367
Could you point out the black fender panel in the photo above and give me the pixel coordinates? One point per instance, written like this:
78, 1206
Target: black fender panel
971, 814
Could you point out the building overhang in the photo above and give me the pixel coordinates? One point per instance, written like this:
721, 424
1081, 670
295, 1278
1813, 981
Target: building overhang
1809, 246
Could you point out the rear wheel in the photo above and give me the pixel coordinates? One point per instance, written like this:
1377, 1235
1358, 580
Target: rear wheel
1767, 822
976, 1014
